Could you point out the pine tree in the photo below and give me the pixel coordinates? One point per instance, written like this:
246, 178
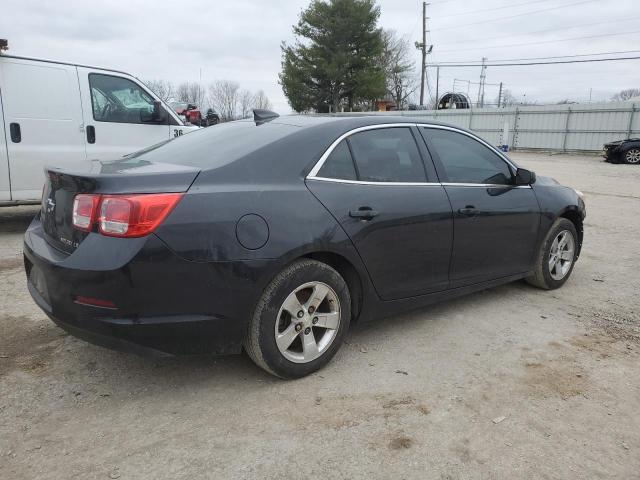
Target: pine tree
334, 62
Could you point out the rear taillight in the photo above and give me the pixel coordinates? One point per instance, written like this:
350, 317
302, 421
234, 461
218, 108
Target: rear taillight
135, 215
123, 215
84, 211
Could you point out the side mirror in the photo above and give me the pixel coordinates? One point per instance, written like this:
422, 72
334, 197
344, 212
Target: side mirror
159, 115
525, 177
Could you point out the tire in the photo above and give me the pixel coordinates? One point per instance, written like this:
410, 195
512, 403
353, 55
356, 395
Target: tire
303, 281
547, 277
632, 156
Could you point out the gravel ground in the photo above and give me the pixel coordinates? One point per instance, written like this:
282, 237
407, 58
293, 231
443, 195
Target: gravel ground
512, 382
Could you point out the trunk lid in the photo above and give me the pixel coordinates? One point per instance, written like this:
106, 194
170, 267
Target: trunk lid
129, 175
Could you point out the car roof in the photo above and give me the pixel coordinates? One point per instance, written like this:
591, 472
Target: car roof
352, 120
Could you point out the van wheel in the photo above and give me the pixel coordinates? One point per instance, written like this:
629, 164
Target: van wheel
300, 321
557, 255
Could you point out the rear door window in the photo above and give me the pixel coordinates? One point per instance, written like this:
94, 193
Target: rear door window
387, 155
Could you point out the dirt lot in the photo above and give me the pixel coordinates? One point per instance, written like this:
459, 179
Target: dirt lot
512, 382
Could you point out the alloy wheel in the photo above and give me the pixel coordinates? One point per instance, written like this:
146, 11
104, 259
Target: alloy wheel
561, 255
633, 156
307, 322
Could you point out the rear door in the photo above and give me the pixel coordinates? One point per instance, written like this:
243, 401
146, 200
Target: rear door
118, 115
397, 215
495, 223
42, 121
5, 187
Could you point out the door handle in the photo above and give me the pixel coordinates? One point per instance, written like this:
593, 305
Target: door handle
91, 134
469, 211
363, 213
16, 134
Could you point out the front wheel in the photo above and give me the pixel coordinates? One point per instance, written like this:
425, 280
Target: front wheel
632, 156
300, 321
556, 257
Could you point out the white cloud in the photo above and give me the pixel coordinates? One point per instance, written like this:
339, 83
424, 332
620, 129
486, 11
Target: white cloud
240, 40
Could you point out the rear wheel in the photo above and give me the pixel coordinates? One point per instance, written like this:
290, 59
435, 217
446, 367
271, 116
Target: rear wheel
556, 257
300, 321
632, 156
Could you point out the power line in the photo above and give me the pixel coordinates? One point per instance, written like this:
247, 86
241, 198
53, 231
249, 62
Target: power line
502, 7
567, 27
541, 42
543, 58
495, 19
536, 63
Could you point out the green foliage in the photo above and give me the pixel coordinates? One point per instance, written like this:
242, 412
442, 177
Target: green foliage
335, 61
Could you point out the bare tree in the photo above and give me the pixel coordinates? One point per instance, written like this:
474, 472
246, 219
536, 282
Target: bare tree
246, 101
626, 94
190, 92
260, 100
508, 99
162, 88
398, 68
223, 95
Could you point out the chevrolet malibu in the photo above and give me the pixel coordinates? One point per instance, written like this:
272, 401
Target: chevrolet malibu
273, 235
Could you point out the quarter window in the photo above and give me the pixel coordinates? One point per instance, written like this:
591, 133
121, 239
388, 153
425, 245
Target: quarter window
119, 100
466, 160
339, 164
387, 155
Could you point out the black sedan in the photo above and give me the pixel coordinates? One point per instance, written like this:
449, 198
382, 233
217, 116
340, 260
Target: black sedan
623, 151
273, 236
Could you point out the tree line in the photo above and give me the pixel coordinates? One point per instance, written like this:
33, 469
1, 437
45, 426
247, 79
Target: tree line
224, 96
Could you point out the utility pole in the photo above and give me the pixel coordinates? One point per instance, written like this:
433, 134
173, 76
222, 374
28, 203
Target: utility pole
423, 47
500, 95
437, 84
483, 76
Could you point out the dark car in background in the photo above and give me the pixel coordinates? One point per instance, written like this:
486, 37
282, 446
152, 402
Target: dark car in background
623, 151
274, 235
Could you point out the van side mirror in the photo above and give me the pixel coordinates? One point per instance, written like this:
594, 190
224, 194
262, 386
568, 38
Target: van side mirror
525, 177
159, 115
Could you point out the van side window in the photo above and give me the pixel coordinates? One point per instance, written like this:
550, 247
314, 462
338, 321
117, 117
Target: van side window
119, 100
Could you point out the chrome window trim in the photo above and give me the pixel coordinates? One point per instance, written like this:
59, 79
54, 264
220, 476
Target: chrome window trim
483, 185
417, 184
316, 168
388, 184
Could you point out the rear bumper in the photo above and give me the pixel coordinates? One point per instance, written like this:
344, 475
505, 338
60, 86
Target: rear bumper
164, 305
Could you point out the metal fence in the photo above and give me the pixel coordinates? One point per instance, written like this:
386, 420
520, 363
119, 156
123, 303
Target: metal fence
566, 128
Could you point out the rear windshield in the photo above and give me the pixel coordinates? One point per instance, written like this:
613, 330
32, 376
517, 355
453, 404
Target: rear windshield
215, 146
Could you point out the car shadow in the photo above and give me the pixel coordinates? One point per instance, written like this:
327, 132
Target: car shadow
120, 374
17, 219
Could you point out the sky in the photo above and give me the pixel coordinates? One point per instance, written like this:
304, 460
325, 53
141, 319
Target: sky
240, 40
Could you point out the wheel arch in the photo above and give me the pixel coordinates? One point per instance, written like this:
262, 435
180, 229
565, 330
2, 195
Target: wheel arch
574, 216
348, 271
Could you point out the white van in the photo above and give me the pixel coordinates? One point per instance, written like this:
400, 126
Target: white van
58, 114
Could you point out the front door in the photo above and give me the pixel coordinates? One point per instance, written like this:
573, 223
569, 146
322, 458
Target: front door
5, 186
42, 122
119, 115
396, 214
495, 223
